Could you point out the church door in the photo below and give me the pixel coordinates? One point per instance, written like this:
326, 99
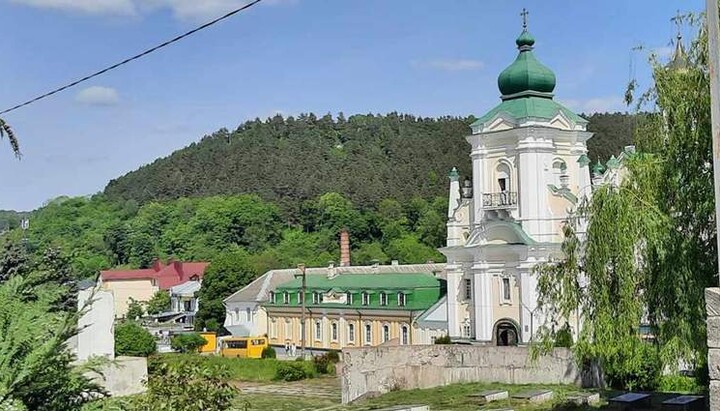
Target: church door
506, 334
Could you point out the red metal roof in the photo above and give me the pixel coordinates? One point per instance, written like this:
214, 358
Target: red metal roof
166, 275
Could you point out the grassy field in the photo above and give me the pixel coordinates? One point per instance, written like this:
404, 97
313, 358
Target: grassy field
241, 369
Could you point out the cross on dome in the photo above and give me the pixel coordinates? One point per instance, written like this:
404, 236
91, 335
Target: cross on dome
524, 15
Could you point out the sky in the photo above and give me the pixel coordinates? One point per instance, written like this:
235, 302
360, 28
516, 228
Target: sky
422, 57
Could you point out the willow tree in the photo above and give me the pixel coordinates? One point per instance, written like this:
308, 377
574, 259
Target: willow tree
648, 250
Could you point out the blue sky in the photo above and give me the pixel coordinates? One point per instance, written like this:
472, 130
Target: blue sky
422, 57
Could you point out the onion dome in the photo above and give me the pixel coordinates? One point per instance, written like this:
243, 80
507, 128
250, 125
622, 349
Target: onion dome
526, 75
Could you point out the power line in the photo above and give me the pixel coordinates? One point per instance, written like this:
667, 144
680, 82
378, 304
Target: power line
135, 57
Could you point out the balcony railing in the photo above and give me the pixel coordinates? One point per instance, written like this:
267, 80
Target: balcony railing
506, 199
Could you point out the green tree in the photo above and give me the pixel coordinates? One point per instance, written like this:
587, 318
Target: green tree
226, 274
160, 302
409, 250
135, 310
187, 342
133, 340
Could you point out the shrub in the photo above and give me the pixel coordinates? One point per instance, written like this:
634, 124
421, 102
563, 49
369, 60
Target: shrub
333, 356
188, 342
641, 372
133, 340
445, 339
325, 364
135, 310
268, 352
187, 386
563, 337
288, 371
679, 384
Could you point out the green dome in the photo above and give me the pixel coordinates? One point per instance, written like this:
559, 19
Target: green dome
526, 74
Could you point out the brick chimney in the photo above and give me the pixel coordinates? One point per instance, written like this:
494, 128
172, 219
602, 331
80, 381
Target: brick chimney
344, 248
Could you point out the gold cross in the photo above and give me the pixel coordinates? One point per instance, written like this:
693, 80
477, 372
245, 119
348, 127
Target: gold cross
525, 13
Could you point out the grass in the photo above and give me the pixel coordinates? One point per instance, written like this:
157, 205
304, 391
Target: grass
241, 369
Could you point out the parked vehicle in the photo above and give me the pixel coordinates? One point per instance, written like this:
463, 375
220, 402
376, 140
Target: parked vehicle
243, 347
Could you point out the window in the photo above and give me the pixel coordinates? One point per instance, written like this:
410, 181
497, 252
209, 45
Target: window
286, 297
468, 289
272, 297
351, 333
401, 299
405, 337
348, 298
317, 298
386, 333
334, 333
248, 315
288, 330
237, 314
318, 330
300, 297
368, 334
467, 331
273, 328
383, 299
506, 289
365, 299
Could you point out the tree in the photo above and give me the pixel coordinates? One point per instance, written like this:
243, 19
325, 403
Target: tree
649, 250
187, 342
133, 340
227, 274
135, 310
160, 302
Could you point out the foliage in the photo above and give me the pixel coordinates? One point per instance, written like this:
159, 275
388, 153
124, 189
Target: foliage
650, 244
324, 363
159, 303
563, 338
268, 352
292, 371
226, 274
6, 131
187, 386
35, 364
239, 369
679, 384
333, 356
135, 310
133, 340
187, 342
444, 339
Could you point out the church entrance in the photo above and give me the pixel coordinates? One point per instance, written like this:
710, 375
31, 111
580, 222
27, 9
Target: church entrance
506, 334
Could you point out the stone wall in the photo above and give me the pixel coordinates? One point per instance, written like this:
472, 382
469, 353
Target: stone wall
376, 370
712, 306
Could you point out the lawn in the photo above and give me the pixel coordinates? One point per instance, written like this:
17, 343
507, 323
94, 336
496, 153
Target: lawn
241, 369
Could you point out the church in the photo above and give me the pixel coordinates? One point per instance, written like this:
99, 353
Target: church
529, 170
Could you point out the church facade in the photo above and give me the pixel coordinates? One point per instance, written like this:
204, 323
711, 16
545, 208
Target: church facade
529, 170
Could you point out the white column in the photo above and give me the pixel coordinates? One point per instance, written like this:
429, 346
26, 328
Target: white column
478, 166
483, 305
454, 290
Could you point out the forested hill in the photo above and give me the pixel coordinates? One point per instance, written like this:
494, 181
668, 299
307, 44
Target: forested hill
366, 157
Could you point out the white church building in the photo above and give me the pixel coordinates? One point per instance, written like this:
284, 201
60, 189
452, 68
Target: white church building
529, 168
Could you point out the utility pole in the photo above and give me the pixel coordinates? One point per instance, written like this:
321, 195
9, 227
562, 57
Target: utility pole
301, 267
714, 65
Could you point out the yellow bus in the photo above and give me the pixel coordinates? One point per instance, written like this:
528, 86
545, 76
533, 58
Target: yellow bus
243, 347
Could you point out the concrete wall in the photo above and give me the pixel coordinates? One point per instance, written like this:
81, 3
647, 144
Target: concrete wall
712, 306
95, 336
125, 376
382, 369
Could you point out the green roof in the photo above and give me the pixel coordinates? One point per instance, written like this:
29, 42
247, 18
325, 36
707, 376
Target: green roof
526, 73
380, 281
532, 107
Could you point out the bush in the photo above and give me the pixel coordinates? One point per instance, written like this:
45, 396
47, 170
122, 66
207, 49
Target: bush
325, 364
679, 384
563, 338
135, 310
187, 386
445, 339
641, 370
288, 371
188, 342
333, 356
268, 352
133, 340
300, 359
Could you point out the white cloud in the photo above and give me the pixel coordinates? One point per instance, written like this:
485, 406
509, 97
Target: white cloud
596, 104
451, 64
198, 10
105, 7
98, 96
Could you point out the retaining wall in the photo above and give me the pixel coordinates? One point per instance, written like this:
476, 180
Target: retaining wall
377, 370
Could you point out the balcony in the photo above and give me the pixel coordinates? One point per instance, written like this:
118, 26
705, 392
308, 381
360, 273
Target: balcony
503, 200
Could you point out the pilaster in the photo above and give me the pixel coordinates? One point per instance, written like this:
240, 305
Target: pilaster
483, 305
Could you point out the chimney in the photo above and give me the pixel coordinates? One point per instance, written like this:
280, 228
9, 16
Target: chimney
344, 248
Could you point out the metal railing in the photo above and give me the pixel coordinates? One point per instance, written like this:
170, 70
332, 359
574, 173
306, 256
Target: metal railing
505, 199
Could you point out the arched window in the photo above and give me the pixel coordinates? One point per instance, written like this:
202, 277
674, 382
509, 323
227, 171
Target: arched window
248, 315
386, 332
318, 330
351, 333
503, 174
334, 333
405, 335
368, 333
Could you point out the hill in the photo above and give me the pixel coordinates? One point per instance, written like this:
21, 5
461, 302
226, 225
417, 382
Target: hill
366, 157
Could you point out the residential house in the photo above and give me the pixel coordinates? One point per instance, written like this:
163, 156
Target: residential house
142, 284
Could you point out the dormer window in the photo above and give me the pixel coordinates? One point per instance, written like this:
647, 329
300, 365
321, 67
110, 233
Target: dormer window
317, 298
286, 297
383, 299
348, 298
365, 298
272, 297
401, 298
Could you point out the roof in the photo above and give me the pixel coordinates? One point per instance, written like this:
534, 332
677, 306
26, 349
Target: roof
529, 107
167, 276
380, 280
186, 289
259, 290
